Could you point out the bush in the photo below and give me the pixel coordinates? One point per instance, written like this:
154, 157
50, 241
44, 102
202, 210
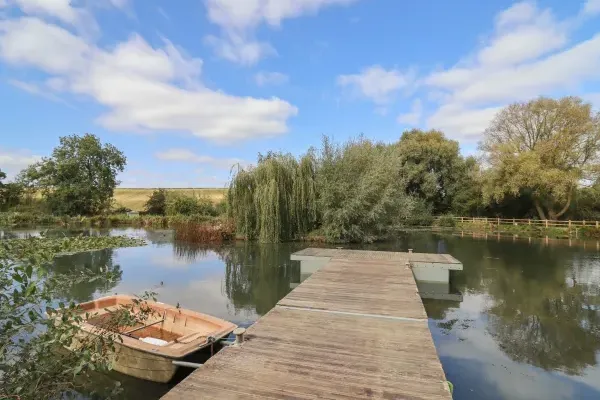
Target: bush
446, 221
186, 205
157, 203
121, 210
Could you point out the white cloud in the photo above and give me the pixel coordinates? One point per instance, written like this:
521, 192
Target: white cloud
527, 55
464, 123
185, 155
60, 9
591, 7
12, 161
143, 88
239, 49
238, 21
413, 117
65, 11
36, 90
376, 83
270, 78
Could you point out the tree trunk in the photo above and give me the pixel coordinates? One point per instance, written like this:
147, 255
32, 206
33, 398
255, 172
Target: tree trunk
539, 209
566, 207
557, 215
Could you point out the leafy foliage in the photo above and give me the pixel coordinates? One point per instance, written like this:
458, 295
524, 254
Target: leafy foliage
351, 192
187, 205
276, 200
432, 167
80, 176
10, 193
543, 148
36, 326
157, 203
362, 195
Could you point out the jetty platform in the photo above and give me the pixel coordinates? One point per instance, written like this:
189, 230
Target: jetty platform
355, 328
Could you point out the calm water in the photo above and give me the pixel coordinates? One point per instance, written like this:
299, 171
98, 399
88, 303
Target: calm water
522, 320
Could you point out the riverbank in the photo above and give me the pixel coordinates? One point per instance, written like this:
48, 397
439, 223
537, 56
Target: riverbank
522, 227
14, 219
203, 228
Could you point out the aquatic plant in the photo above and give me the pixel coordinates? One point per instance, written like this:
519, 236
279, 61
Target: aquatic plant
36, 325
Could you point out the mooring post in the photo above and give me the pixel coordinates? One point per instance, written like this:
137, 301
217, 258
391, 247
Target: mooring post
239, 336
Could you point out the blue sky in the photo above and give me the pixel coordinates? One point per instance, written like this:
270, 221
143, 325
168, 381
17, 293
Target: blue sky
186, 88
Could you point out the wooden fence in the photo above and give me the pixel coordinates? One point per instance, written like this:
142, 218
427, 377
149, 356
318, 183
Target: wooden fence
547, 223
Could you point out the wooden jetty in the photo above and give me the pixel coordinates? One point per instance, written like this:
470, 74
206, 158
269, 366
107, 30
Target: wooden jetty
355, 329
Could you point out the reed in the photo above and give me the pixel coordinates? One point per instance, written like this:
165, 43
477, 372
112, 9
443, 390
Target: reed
206, 232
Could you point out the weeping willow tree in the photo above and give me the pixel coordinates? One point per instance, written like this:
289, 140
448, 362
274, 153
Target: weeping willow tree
276, 200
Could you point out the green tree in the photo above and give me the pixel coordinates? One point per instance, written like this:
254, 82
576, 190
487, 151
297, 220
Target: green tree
362, 193
544, 148
433, 168
80, 176
10, 193
157, 203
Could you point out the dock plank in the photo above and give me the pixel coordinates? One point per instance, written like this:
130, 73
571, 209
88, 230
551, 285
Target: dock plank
371, 287
355, 329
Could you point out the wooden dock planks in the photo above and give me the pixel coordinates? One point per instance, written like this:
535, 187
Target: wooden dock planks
370, 287
355, 329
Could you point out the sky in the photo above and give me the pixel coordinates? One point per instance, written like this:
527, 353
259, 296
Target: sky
188, 88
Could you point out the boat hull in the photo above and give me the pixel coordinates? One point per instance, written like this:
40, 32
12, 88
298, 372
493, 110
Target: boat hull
137, 363
179, 333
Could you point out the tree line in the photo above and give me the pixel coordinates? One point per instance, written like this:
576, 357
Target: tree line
538, 159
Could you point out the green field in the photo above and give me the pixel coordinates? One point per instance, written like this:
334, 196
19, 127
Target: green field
135, 198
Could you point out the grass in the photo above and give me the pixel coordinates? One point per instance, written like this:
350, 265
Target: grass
135, 198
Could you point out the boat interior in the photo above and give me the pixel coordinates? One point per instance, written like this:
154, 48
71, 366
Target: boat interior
165, 325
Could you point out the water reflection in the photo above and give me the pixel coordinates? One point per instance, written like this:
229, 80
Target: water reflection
100, 264
521, 321
258, 276
529, 320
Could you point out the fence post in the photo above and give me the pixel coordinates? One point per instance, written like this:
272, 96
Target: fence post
513, 221
462, 219
546, 223
529, 221
569, 224
498, 221
584, 222
596, 224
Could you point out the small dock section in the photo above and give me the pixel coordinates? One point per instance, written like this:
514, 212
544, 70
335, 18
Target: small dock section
355, 329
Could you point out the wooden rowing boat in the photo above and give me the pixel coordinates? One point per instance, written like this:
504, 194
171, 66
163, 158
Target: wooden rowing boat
147, 350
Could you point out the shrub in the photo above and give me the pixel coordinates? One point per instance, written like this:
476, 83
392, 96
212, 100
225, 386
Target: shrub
446, 221
187, 205
157, 203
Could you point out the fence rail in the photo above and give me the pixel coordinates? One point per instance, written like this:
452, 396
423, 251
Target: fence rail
547, 223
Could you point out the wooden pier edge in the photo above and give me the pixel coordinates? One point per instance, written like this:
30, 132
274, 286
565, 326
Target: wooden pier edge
355, 329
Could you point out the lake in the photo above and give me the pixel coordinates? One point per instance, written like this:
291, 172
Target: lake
522, 320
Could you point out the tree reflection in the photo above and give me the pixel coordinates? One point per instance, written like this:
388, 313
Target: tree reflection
540, 311
258, 276
545, 322
99, 263
192, 252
